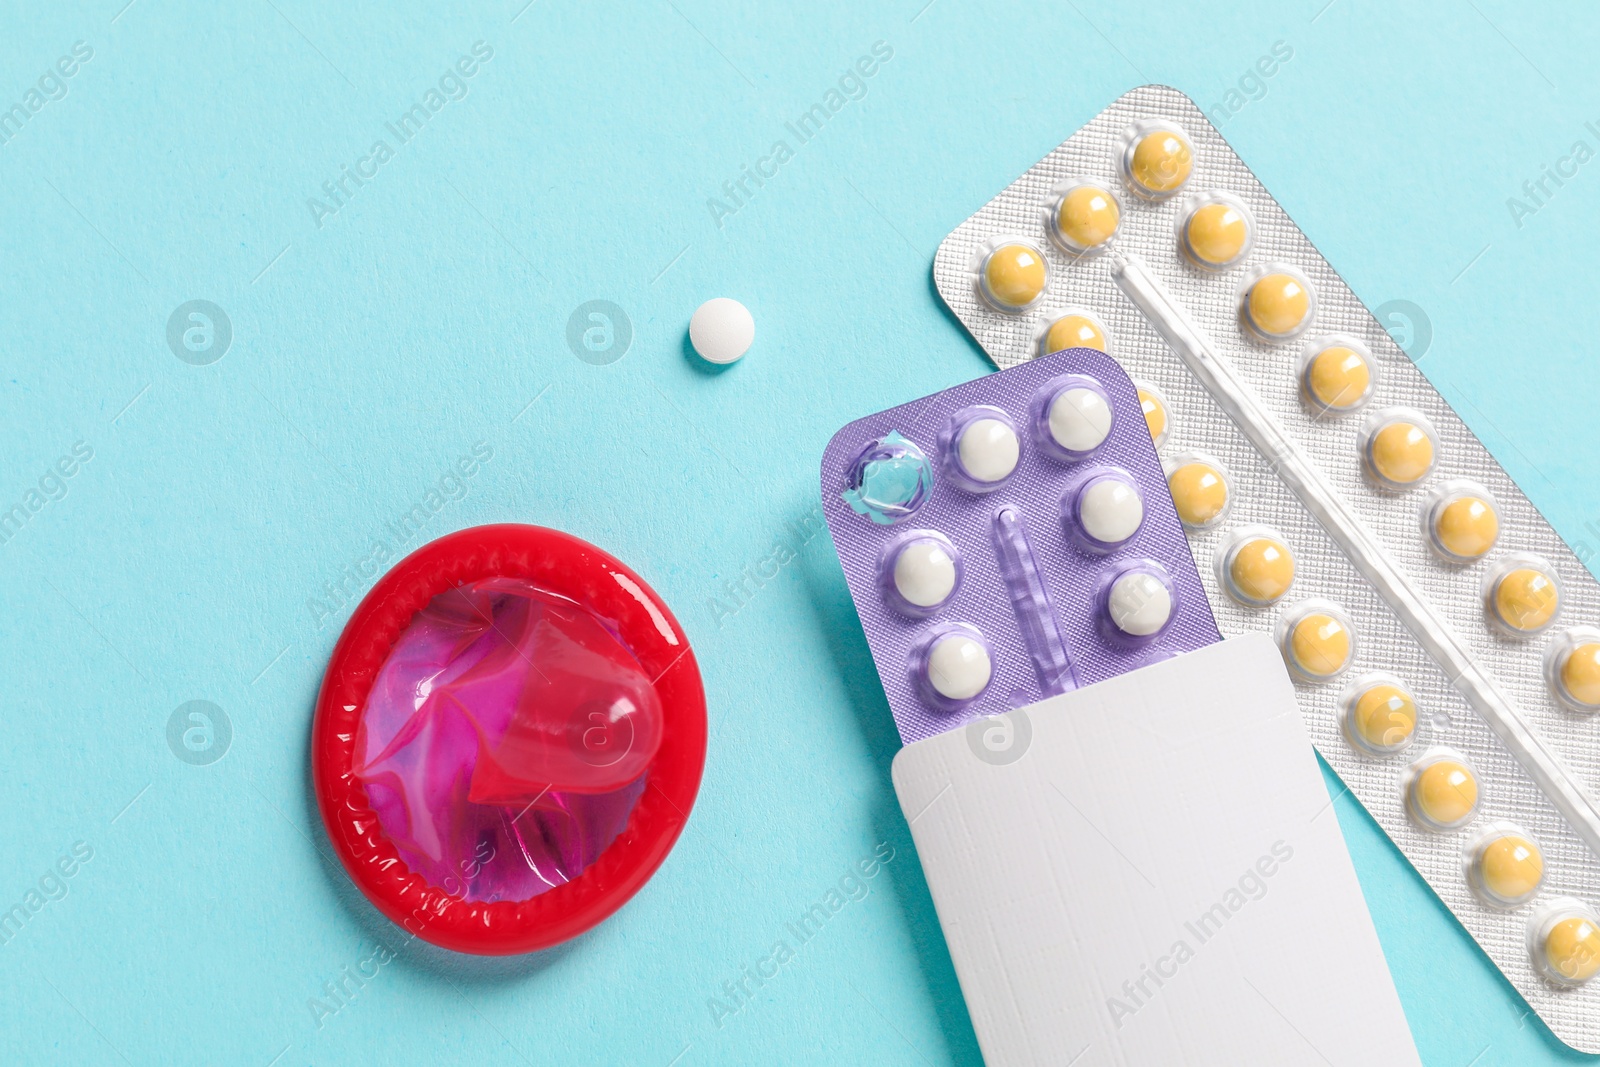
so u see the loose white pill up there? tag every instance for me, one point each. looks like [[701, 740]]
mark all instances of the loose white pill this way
[[1080, 419], [1110, 510], [989, 450], [958, 667], [722, 330], [924, 574], [1139, 603]]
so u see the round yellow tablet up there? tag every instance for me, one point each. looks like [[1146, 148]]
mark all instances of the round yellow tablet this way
[[1580, 674], [1216, 234], [1401, 453], [1338, 378], [1199, 491], [1261, 571], [1161, 162], [1320, 645], [1444, 794], [1074, 331], [1525, 599], [1466, 527], [1509, 868], [1572, 949], [1014, 276], [1155, 415], [1384, 717], [1278, 304], [1087, 218]]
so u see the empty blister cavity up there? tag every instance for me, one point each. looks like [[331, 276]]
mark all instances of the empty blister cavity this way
[[1073, 328], [1072, 416], [1157, 158], [1572, 668], [1317, 639], [1564, 941], [1083, 216], [1461, 521], [889, 480], [1256, 566], [981, 448], [1337, 375], [1103, 509], [1378, 714], [1216, 231], [1441, 790], [1157, 415], [920, 572], [1199, 488], [1135, 602], [953, 665], [1276, 302], [1012, 275], [1399, 447], [1030, 600], [1522, 595], [1504, 865]]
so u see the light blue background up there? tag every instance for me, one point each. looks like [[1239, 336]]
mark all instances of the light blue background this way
[[431, 311]]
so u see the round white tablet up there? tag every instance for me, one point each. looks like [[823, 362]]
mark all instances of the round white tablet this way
[[722, 330], [988, 450], [924, 574], [1110, 510], [958, 667], [1080, 419], [1139, 604]]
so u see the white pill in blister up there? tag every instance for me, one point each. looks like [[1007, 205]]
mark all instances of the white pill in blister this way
[[1139, 604], [989, 450], [1110, 511], [924, 574], [722, 330], [1080, 419], [958, 667]]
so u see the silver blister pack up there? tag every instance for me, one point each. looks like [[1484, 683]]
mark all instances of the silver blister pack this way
[[1464, 637]]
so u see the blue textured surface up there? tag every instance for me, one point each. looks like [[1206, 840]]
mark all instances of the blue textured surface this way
[[210, 547]]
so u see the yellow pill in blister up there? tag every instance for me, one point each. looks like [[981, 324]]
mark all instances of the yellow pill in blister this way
[[1508, 868], [1338, 378], [1216, 234], [1580, 674], [1320, 645], [1087, 218], [1401, 453], [1571, 949], [1161, 162], [1444, 794], [1199, 491], [1074, 331], [1466, 527], [1525, 599], [1014, 275], [1384, 717], [1155, 415], [1278, 304], [1261, 570]]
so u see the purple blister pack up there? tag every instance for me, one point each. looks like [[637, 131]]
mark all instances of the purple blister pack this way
[[1010, 539]]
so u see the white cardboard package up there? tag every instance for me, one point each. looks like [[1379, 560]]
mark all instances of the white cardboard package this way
[[1150, 871]]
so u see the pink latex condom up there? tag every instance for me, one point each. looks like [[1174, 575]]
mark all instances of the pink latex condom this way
[[508, 740]]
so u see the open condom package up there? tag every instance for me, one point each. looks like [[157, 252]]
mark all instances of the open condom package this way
[[1440, 635]]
